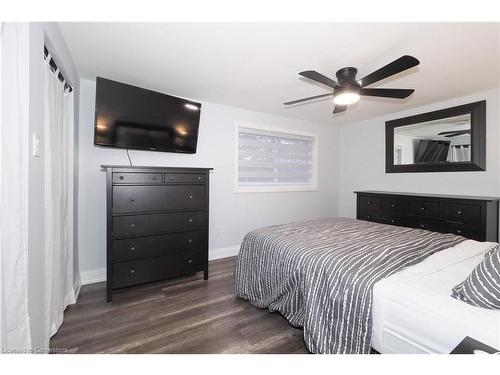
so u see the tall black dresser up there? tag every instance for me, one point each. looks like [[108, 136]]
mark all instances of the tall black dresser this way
[[471, 217], [157, 224]]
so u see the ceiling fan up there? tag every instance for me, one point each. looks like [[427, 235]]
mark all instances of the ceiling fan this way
[[348, 90], [454, 133]]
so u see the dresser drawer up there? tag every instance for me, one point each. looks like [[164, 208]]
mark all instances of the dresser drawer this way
[[461, 212], [424, 223], [371, 216], [138, 225], [366, 215], [369, 203], [466, 230], [157, 198], [157, 268], [423, 208], [382, 218], [173, 178], [137, 178], [394, 205], [144, 247]]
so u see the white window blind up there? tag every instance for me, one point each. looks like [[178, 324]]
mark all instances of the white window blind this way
[[275, 159]]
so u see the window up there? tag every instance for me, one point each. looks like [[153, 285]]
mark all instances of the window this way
[[398, 154], [269, 159]]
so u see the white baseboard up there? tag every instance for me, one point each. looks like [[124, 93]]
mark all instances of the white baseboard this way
[[223, 252], [99, 275]]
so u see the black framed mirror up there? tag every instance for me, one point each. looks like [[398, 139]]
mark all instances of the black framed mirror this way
[[448, 140]]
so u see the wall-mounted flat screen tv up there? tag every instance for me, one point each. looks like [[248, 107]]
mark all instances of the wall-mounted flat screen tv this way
[[432, 151], [135, 118]]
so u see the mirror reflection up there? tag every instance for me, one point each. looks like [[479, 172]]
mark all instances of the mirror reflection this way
[[446, 140]]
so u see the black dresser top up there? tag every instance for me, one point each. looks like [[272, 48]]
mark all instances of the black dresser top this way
[[180, 169], [429, 195]]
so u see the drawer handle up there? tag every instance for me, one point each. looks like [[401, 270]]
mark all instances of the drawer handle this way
[[422, 226], [393, 221], [190, 261], [190, 220], [190, 240], [121, 177], [422, 208], [459, 212], [132, 248], [368, 217], [132, 225], [154, 178], [459, 231], [132, 271], [199, 177], [190, 197], [132, 199], [171, 178], [369, 203], [393, 205]]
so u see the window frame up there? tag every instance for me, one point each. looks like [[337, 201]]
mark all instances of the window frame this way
[[313, 186]]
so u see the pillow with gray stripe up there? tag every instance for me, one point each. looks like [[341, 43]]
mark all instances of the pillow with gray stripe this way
[[482, 287]]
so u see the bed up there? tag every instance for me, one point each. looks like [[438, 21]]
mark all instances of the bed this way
[[414, 313], [332, 276]]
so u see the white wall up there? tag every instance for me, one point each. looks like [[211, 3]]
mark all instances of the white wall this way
[[40, 33], [362, 147], [232, 215]]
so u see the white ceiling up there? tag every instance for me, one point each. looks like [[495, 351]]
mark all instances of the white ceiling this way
[[255, 65], [430, 129]]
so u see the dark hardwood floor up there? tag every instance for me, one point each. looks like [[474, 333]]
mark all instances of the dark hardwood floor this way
[[184, 315]]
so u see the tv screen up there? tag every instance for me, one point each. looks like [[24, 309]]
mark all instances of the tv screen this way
[[135, 118], [431, 151]]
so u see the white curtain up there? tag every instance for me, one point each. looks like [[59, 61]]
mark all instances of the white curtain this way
[[14, 150], [58, 148], [2, 314]]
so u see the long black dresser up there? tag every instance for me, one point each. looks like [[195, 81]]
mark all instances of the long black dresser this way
[[471, 217], [157, 224]]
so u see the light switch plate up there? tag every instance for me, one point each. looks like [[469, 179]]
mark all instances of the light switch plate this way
[[36, 145]]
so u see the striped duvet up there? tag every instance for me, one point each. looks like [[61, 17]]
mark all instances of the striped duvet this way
[[320, 274]]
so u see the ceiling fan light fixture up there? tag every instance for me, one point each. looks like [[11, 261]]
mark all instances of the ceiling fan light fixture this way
[[346, 98], [348, 89]]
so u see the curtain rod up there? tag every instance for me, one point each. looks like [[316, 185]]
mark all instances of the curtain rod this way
[[54, 68]]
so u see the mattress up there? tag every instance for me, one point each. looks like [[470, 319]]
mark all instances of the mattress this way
[[414, 313]]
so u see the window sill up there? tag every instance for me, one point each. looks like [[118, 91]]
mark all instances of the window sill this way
[[274, 189]]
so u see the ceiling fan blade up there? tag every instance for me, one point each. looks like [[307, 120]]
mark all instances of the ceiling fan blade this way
[[397, 66], [387, 93], [318, 77], [454, 133], [306, 99], [339, 108]]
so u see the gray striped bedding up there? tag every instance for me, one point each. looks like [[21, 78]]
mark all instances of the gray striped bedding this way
[[320, 274], [482, 287]]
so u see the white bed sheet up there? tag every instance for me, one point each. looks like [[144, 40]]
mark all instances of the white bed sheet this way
[[414, 313]]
